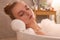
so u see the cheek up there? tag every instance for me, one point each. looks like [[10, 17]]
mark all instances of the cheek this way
[[25, 19]]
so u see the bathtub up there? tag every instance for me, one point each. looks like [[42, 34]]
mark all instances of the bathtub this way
[[52, 29], [25, 36]]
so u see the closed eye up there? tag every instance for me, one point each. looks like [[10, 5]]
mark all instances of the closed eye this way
[[21, 13]]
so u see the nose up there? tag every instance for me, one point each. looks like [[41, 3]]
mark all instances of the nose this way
[[28, 14]]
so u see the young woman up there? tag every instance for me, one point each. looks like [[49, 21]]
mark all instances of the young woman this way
[[21, 11]]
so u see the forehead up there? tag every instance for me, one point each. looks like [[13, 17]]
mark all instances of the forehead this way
[[20, 3], [19, 6]]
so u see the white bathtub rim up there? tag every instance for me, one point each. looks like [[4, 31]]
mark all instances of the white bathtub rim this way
[[44, 36]]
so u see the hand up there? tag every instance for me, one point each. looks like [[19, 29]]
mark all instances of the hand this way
[[40, 33]]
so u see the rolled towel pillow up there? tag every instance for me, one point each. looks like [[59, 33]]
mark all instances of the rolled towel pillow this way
[[18, 25], [29, 31]]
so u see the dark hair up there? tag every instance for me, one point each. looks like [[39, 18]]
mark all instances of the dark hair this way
[[8, 9]]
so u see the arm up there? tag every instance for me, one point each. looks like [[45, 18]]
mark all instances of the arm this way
[[37, 30], [35, 27]]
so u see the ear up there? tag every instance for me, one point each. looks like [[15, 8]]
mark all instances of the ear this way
[[18, 25]]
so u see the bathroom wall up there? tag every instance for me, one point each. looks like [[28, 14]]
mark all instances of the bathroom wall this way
[[5, 28]]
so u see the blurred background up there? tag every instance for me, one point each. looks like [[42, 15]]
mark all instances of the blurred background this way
[[6, 33]]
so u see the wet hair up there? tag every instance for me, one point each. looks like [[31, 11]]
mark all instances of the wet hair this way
[[8, 9]]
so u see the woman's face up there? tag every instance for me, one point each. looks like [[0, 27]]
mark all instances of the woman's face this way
[[23, 12]]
